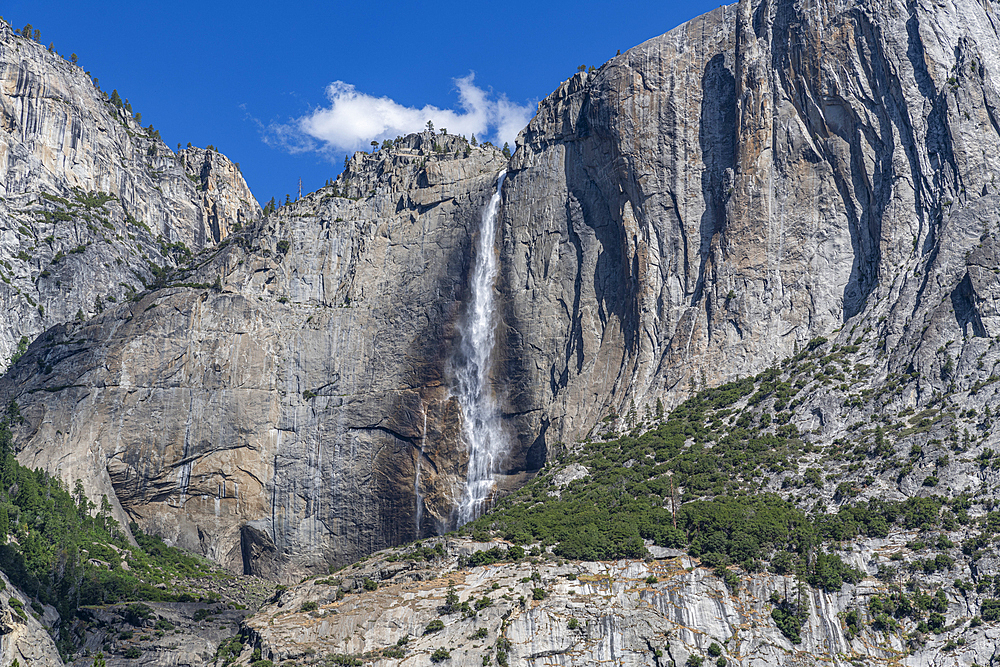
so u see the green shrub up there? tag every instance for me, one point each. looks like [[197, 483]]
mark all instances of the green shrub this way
[[814, 476], [830, 573], [229, 650], [136, 614], [132, 652], [434, 626], [789, 616], [503, 647], [491, 556], [852, 620], [815, 342], [310, 605], [788, 624], [714, 650], [573, 624], [440, 655]]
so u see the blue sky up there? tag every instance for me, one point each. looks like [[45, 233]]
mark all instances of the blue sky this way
[[282, 88]]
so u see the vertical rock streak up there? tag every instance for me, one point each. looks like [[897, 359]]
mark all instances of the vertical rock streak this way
[[416, 479], [481, 427]]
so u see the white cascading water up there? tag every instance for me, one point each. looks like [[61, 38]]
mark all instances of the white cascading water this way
[[481, 427]]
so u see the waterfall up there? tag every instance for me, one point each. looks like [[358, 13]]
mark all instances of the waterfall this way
[[481, 427]]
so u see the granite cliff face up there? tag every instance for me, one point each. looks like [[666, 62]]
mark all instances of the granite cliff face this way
[[694, 210], [93, 205], [707, 202], [282, 405]]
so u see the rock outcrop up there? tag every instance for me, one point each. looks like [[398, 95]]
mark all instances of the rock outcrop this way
[[23, 636], [283, 405], [543, 611], [92, 205], [181, 634]]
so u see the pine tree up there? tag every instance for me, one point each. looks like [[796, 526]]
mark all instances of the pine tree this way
[[474, 142], [506, 150], [73, 58], [79, 494]]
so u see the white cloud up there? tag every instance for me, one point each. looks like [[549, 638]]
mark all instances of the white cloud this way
[[353, 119]]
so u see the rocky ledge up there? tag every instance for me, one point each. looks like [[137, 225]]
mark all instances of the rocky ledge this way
[[398, 608]]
